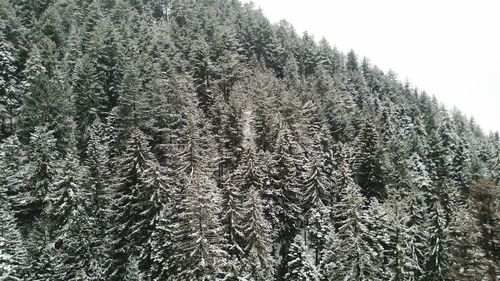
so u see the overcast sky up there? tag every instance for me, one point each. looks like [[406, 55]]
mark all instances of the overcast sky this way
[[449, 48]]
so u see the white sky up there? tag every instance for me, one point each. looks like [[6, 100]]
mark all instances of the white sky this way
[[449, 48]]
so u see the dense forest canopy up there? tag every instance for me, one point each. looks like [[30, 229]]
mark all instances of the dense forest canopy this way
[[195, 140]]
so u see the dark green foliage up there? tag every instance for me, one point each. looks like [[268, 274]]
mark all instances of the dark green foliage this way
[[195, 140], [136, 204], [39, 177], [369, 161], [13, 258], [300, 265]]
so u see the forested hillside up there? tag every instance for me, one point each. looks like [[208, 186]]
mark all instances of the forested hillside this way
[[195, 140]]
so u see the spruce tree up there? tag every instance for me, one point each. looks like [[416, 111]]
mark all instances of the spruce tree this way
[[12, 162], [351, 253], [40, 176], [438, 258], [257, 242], [467, 255], [402, 262], [13, 255], [197, 251], [137, 193], [9, 94], [284, 210], [369, 169], [300, 264]]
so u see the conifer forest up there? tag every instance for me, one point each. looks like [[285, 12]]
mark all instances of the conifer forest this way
[[194, 140]]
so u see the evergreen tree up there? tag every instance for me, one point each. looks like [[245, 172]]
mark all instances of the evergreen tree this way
[[12, 162], [300, 265], [75, 236], [43, 98], [197, 251], [257, 241], [485, 196], [138, 191], [438, 257], [402, 261], [98, 177], [284, 188], [180, 140], [369, 169], [351, 253], [9, 95], [87, 93], [43, 257], [232, 215], [467, 255], [315, 205], [13, 256], [40, 176]]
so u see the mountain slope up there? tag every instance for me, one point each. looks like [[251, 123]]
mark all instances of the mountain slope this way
[[194, 140]]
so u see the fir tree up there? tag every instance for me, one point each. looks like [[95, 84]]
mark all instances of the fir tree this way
[[402, 262], [43, 257], [257, 241], [197, 251], [284, 210], [467, 255], [9, 96], [354, 254], [138, 189], [40, 176], [300, 264], [13, 255], [438, 256], [12, 162], [369, 162]]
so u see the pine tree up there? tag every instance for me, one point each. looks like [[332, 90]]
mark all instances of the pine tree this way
[[66, 193], [284, 188], [156, 193], [43, 98], [228, 67], [232, 212], [9, 96], [42, 254], [369, 169], [315, 205], [416, 226], [402, 263], [12, 162], [317, 186], [13, 256], [262, 88], [40, 176], [75, 233], [355, 256], [88, 95], [227, 136], [138, 191], [467, 255], [98, 177], [129, 114], [257, 241], [202, 73], [300, 265], [197, 250], [438, 257]]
